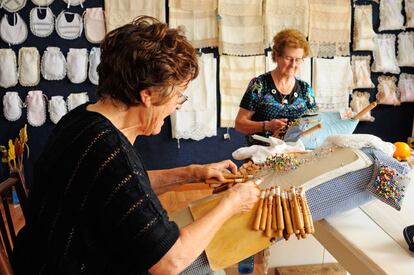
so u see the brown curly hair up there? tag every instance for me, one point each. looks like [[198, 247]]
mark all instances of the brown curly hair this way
[[289, 38], [144, 54]]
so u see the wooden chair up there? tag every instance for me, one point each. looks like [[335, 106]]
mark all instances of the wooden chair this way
[[8, 233]]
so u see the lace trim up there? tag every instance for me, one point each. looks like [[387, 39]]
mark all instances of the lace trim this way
[[5, 21], [193, 5], [240, 9], [196, 134], [22, 77], [387, 91], [205, 43], [379, 54], [364, 83], [390, 15], [328, 49], [241, 49], [49, 53], [32, 22], [361, 43], [405, 49], [9, 52]]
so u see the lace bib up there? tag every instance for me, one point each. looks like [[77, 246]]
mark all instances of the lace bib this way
[[361, 71], [406, 49], [387, 91], [42, 27], [384, 54], [363, 32], [74, 2], [359, 101], [8, 68], [390, 15], [406, 87], [12, 5], [13, 34], [42, 2], [69, 30]]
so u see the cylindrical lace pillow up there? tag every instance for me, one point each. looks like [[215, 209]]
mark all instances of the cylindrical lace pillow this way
[[361, 71], [29, 66], [391, 17], [53, 64], [359, 101], [77, 65], [406, 49], [384, 54], [387, 91], [8, 68], [406, 87]]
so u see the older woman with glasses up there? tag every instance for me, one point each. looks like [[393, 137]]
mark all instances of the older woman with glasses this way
[[93, 207], [276, 97]]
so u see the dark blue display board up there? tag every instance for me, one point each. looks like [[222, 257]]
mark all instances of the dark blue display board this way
[[161, 151]]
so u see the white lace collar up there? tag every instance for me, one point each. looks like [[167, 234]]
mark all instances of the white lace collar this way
[[69, 30], [41, 27], [12, 5], [13, 34]]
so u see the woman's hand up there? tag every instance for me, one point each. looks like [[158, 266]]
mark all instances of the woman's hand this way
[[276, 124], [212, 170], [242, 197]]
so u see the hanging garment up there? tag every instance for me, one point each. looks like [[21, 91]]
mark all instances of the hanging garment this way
[[94, 60], [198, 20], [241, 27], [42, 27], [304, 72], [409, 12], [29, 66], [76, 99], [329, 27], [69, 30], [406, 87], [363, 29], [235, 75], [282, 14], [390, 15], [53, 65], [384, 54], [387, 91], [12, 106], [36, 108], [94, 21], [121, 12], [332, 83], [74, 3], [406, 49], [12, 5], [42, 2], [13, 34], [361, 71], [57, 108], [197, 118], [359, 101], [77, 65], [8, 68]]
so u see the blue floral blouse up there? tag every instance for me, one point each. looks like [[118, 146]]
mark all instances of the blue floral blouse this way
[[264, 99]]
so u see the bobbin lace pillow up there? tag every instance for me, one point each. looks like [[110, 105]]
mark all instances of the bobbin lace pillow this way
[[384, 54], [8, 68], [359, 101], [387, 91]]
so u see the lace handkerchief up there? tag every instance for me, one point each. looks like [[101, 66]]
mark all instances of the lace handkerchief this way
[[363, 31], [241, 27], [361, 71], [406, 49], [281, 14], [329, 27], [332, 83], [387, 91], [235, 75], [198, 20], [384, 54], [406, 87], [390, 15], [197, 118]]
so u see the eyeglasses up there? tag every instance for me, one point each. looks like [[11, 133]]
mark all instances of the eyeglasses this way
[[291, 59], [182, 98]]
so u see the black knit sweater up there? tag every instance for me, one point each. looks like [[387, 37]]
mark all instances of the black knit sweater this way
[[91, 206]]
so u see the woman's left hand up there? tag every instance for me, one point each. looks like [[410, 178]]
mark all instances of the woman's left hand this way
[[202, 172]]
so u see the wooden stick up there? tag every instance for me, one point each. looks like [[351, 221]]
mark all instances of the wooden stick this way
[[292, 215], [308, 212], [304, 211], [286, 212], [259, 209], [227, 175], [274, 216], [215, 181], [268, 232], [297, 212], [279, 214], [311, 130], [371, 106], [263, 219]]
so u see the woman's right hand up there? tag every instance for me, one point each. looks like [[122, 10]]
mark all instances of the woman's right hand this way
[[276, 124], [242, 197]]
